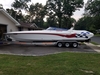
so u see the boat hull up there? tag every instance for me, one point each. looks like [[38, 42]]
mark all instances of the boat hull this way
[[51, 35], [45, 37]]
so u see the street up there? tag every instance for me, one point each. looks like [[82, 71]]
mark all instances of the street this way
[[96, 39]]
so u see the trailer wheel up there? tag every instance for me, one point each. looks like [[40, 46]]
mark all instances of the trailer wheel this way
[[75, 44], [59, 44], [67, 44]]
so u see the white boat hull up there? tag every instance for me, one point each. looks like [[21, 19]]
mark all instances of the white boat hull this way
[[48, 36]]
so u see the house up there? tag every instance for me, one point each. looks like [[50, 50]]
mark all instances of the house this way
[[28, 26], [8, 23]]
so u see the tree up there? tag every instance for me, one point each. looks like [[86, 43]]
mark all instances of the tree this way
[[85, 23], [37, 13], [12, 12], [52, 20], [68, 21], [63, 8], [20, 4], [92, 9], [16, 14]]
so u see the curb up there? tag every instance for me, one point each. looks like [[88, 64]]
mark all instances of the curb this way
[[94, 47]]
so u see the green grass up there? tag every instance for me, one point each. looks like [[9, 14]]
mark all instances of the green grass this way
[[97, 34], [57, 64]]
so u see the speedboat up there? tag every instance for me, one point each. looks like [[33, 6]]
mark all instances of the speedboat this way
[[51, 34]]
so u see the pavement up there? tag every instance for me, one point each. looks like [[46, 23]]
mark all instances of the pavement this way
[[94, 47], [31, 50]]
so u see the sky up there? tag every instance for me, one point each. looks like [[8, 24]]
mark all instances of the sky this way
[[77, 14]]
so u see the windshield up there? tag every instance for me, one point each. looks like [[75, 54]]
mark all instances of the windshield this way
[[54, 28]]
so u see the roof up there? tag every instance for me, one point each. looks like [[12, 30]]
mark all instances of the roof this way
[[20, 24], [29, 25], [10, 17]]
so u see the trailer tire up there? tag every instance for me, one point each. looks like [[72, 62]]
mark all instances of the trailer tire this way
[[67, 44], [59, 44], [75, 44]]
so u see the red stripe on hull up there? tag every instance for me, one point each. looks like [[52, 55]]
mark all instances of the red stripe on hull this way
[[67, 36]]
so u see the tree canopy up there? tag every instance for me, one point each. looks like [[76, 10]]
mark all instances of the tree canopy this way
[[56, 12], [92, 9], [20, 4], [63, 9]]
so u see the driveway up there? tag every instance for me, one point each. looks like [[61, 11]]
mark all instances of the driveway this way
[[30, 50]]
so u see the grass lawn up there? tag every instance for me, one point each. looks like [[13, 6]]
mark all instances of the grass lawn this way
[[57, 64], [97, 34]]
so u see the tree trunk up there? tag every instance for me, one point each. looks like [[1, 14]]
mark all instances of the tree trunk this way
[[59, 22]]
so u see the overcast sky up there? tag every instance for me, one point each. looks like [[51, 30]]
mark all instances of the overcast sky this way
[[7, 4]]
